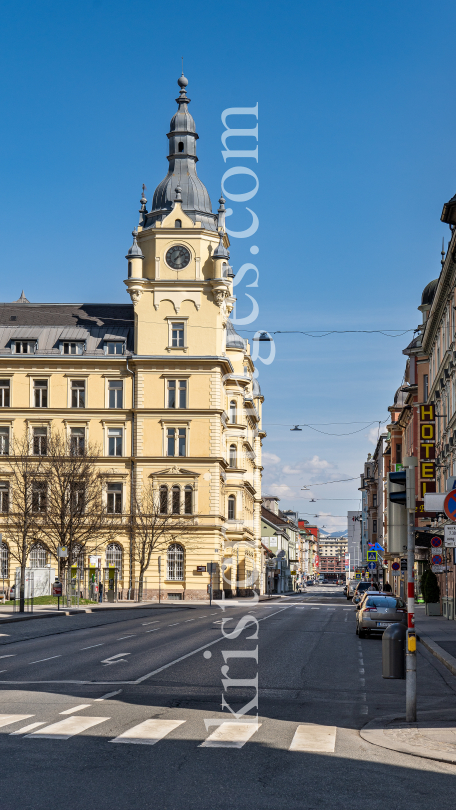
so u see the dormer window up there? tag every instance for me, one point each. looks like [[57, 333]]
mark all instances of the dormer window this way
[[180, 147], [24, 346], [71, 347], [178, 223], [114, 347]]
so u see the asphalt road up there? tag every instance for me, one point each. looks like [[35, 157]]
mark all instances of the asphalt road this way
[[157, 708]]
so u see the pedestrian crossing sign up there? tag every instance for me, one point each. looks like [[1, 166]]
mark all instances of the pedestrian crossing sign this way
[[372, 556]]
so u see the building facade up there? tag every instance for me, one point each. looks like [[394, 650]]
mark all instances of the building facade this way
[[163, 385]]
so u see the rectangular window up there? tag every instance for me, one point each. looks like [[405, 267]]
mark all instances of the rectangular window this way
[[4, 393], [176, 441], [177, 335], [177, 393], [115, 441], [77, 498], [39, 441], [40, 393], [39, 496], [374, 527], [425, 387], [72, 347], [4, 441], [115, 388], [114, 347], [77, 441], [24, 346], [78, 393], [374, 499], [114, 499], [4, 496], [188, 500]]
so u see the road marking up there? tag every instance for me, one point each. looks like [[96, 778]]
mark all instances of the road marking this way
[[214, 614], [123, 637], [7, 719], [346, 618], [112, 659], [230, 735], [77, 708], [315, 608], [155, 622], [314, 738], [3, 670], [45, 659], [173, 625], [153, 631], [8, 656], [202, 617], [67, 728], [364, 710], [190, 620], [108, 695], [91, 646], [330, 608], [361, 671], [148, 733], [26, 728]]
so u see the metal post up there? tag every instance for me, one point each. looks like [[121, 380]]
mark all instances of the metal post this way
[[210, 588], [410, 657], [159, 579]]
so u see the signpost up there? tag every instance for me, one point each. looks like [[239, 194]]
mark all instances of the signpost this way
[[450, 536], [159, 579], [437, 559], [372, 556], [404, 565], [372, 566], [211, 567], [396, 568], [436, 542], [449, 505], [57, 591]]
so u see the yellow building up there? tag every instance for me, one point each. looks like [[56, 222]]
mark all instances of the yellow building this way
[[164, 385]]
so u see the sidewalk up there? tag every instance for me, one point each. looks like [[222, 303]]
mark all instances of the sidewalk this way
[[431, 737], [438, 636]]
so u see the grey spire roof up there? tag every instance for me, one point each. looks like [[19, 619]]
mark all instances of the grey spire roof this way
[[256, 390], [182, 171], [220, 251], [233, 340], [22, 299], [429, 292], [135, 250]]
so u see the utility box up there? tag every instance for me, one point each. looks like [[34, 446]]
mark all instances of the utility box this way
[[393, 651]]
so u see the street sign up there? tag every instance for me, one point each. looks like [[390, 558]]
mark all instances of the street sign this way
[[396, 568], [439, 569], [437, 559], [372, 566], [450, 536], [372, 556], [449, 505], [404, 565], [201, 568], [357, 576], [57, 589], [211, 568], [436, 542]]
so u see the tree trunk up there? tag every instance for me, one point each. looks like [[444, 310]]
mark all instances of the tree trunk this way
[[22, 586]]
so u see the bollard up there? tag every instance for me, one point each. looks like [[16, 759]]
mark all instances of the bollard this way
[[393, 651]]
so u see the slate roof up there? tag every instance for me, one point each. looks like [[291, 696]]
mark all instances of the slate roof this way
[[51, 323]]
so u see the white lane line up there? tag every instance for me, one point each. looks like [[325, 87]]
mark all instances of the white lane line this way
[[155, 622], [13, 655], [7, 719], [123, 637], [112, 659], [26, 728], [148, 733], [214, 614], [67, 728], [204, 647], [45, 659], [91, 646], [330, 608], [153, 631], [314, 738], [361, 671], [189, 620], [108, 695], [230, 735], [77, 708], [315, 608], [346, 618], [173, 625], [202, 617], [364, 710], [3, 670]]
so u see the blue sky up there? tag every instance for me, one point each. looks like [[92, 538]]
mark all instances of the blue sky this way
[[356, 117]]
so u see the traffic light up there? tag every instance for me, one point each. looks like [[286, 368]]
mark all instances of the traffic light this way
[[396, 511]]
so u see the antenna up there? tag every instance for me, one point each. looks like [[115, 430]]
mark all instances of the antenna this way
[[182, 65]]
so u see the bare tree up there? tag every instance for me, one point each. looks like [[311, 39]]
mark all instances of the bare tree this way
[[76, 516], [154, 529], [26, 505]]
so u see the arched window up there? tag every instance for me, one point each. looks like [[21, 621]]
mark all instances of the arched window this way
[[180, 147], [4, 561], [164, 500], [224, 270], [178, 223], [232, 455], [129, 269], [231, 507], [175, 562], [176, 499], [233, 411], [188, 500], [114, 556], [38, 557]]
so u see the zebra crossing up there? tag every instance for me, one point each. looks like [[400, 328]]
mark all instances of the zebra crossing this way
[[307, 737]]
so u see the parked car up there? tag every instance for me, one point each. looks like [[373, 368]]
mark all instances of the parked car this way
[[310, 582], [12, 593], [359, 591], [351, 587], [377, 611]]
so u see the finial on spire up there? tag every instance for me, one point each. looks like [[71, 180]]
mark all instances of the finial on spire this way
[[221, 214], [143, 209], [178, 197], [135, 250], [182, 82], [442, 252]]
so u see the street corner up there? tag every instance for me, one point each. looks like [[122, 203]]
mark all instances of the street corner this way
[[433, 736]]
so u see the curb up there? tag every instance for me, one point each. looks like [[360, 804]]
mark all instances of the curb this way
[[448, 661], [372, 733]]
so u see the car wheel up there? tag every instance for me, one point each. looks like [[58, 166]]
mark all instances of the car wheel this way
[[357, 629], [361, 633]]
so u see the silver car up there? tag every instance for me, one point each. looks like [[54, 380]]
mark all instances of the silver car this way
[[377, 611]]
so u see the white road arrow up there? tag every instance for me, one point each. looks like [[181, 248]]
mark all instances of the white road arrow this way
[[112, 659]]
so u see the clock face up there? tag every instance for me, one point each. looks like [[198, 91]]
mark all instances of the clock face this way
[[178, 257]]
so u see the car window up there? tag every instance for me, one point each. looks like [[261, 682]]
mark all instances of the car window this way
[[382, 602]]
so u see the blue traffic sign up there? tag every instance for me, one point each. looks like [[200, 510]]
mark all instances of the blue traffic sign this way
[[372, 565]]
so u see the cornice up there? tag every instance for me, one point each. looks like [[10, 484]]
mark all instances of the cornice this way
[[446, 282]]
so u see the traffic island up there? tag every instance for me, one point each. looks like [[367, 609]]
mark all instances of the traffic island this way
[[431, 737]]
